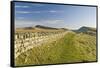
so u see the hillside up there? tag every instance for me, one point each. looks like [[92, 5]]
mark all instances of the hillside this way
[[71, 48], [45, 27], [86, 30], [39, 28]]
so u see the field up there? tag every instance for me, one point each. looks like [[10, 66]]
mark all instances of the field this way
[[72, 47]]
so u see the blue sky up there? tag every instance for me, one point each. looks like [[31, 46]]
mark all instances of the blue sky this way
[[67, 16]]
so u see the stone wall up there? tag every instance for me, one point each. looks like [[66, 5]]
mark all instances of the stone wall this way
[[27, 40]]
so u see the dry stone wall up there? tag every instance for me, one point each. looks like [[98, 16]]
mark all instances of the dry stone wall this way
[[27, 40]]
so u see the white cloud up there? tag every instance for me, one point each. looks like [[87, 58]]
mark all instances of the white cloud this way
[[55, 11], [20, 17], [50, 23], [52, 11], [22, 12], [23, 23], [37, 5], [49, 11], [21, 6], [27, 12], [54, 21]]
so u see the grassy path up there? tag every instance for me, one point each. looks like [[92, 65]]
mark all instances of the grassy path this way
[[71, 48]]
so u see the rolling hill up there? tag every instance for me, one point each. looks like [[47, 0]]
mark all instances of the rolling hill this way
[[75, 46], [86, 30]]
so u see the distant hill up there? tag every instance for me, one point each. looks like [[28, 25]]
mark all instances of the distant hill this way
[[45, 27], [87, 30], [29, 28], [39, 28]]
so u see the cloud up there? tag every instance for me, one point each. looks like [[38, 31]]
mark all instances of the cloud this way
[[54, 21], [22, 6], [49, 11], [52, 11], [39, 11], [55, 11], [23, 23], [27, 12], [27, 6], [22, 12], [37, 5], [58, 23], [20, 17]]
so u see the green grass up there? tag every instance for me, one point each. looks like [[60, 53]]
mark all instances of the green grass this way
[[71, 48]]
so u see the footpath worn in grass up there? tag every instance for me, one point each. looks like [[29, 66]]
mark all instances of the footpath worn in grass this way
[[71, 48]]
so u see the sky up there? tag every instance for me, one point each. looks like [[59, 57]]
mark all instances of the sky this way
[[53, 15]]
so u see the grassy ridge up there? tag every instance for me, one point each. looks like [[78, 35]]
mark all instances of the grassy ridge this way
[[71, 48]]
